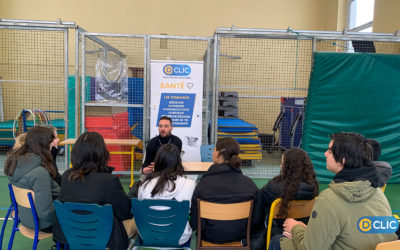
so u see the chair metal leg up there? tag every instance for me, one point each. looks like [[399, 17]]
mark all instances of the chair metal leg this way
[[3, 228], [36, 239], [14, 229]]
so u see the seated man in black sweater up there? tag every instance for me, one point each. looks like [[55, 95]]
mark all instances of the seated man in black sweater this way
[[165, 137]]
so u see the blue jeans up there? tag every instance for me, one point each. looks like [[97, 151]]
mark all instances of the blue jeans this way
[[275, 243]]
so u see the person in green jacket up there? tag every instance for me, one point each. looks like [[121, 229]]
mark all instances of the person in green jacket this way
[[352, 194], [31, 167]]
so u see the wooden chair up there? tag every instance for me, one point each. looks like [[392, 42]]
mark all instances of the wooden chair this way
[[223, 212], [24, 198], [391, 245], [297, 209], [383, 188]]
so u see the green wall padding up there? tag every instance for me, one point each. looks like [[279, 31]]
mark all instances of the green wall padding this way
[[353, 93], [71, 104]]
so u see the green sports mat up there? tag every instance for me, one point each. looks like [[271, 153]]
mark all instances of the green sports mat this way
[[353, 92]]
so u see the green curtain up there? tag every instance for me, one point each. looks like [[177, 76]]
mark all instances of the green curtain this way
[[357, 92]]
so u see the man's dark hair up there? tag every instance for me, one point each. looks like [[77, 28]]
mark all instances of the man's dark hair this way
[[166, 118], [376, 148], [352, 147]]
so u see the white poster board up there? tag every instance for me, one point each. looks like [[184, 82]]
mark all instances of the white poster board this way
[[177, 92]]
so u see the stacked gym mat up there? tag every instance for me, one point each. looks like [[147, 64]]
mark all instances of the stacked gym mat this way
[[6, 130], [244, 133]]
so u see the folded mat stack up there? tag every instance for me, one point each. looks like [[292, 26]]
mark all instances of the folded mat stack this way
[[244, 133], [6, 130]]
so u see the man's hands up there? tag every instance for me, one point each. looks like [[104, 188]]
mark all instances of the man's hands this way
[[149, 169]]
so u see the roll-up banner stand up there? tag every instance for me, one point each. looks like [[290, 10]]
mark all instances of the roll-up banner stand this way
[[177, 92]]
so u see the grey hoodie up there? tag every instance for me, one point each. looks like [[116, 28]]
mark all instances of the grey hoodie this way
[[30, 174], [384, 171]]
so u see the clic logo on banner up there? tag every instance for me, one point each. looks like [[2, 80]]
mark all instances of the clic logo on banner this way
[[377, 224], [177, 70]]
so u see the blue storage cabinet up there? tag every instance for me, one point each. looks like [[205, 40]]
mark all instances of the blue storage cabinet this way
[[135, 96], [292, 107]]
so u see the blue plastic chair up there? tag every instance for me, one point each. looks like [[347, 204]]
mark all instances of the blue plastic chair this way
[[85, 226], [206, 152], [160, 228], [24, 198]]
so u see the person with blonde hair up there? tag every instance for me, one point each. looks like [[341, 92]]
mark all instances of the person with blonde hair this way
[[19, 141]]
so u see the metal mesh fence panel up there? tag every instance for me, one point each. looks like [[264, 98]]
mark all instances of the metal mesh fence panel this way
[[117, 119], [32, 78], [266, 75], [363, 46], [262, 73]]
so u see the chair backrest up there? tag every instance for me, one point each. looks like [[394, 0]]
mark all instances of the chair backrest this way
[[21, 196], [85, 226], [160, 222], [206, 152], [297, 209], [224, 212], [25, 198], [388, 245]]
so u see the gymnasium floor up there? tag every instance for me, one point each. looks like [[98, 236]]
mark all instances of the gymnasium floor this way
[[20, 242]]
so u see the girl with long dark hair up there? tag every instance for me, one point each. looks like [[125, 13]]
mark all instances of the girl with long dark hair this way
[[167, 181], [90, 181], [31, 167], [296, 181]]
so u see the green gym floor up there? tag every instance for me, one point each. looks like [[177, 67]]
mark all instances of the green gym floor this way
[[21, 242]]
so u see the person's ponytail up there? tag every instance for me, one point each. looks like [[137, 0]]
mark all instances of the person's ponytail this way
[[235, 161], [229, 149]]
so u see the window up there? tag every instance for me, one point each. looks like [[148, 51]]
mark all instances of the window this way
[[361, 15]]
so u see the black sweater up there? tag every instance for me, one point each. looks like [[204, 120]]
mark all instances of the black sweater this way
[[155, 143], [269, 193], [222, 184]]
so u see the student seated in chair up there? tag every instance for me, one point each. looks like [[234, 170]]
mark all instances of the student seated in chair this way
[[90, 181], [30, 166], [167, 181], [353, 194], [224, 182], [296, 181]]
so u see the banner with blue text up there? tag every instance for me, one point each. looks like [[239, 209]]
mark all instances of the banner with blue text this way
[[177, 92]]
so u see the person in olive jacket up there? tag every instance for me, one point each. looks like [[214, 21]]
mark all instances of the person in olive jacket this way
[[30, 166], [352, 195], [224, 182]]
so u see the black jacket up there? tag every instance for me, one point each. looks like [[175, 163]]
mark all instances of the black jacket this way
[[269, 193], [155, 143], [222, 184], [54, 152], [99, 188]]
